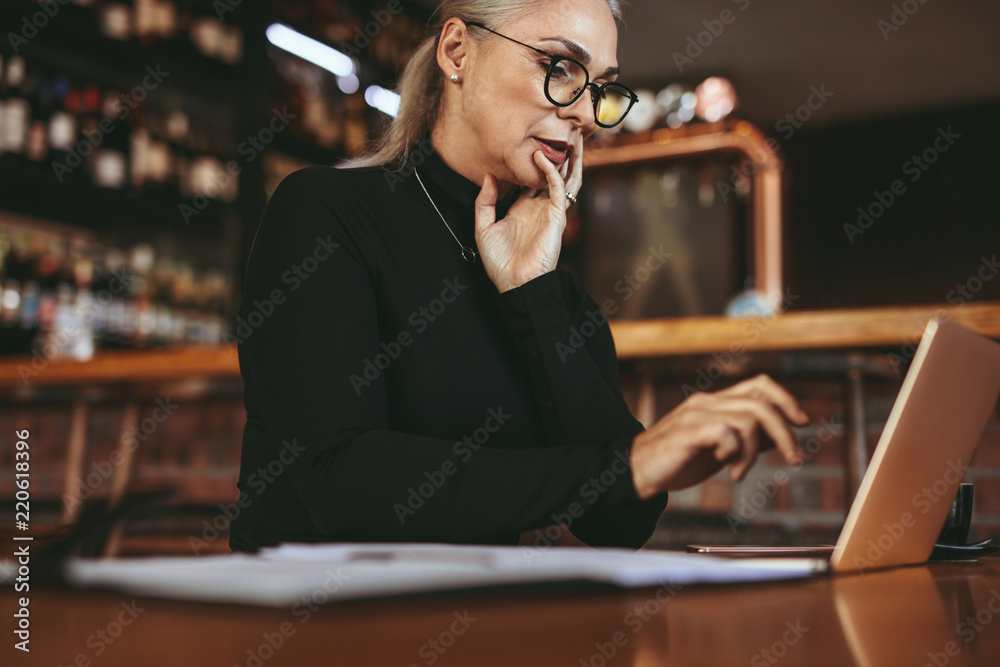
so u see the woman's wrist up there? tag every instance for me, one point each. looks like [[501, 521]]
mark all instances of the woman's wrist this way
[[644, 488]]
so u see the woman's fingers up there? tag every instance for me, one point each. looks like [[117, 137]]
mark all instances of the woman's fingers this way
[[486, 201], [762, 387], [711, 430], [575, 180], [746, 428], [557, 189], [772, 423]]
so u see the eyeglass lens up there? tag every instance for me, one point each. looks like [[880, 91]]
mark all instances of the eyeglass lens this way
[[566, 80]]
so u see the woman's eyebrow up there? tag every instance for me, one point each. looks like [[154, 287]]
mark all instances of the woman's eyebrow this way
[[580, 54]]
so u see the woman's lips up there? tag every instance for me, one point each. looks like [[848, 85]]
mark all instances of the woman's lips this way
[[555, 156]]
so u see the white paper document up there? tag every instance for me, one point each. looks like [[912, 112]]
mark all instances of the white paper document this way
[[285, 575]]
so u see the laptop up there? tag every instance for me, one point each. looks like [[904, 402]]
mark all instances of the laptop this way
[[950, 389]]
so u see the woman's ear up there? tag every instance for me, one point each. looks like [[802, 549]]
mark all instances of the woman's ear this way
[[453, 49]]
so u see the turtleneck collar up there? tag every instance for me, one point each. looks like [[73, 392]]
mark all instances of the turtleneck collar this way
[[454, 194]]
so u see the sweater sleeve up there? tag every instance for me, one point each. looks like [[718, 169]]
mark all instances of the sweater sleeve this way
[[574, 370], [310, 297]]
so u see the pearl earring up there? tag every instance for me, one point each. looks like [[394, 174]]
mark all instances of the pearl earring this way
[[454, 78]]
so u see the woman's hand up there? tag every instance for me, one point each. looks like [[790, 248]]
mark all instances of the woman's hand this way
[[708, 431], [526, 243]]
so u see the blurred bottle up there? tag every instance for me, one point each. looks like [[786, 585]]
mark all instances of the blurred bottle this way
[[116, 293], [38, 89], [110, 168], [162, 312], [15, 268], [82, 346], [115, 19], [101, 289], [142, 260], [16, 109], [3, 98], [45, 271], [62, 125], [59, 341]]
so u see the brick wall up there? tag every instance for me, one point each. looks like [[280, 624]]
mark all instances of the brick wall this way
[[803, 504], [197, 449]]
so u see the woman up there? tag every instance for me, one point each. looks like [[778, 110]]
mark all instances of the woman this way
[[405, 360]]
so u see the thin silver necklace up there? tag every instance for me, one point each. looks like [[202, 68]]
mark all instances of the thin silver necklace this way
[[468, 254]]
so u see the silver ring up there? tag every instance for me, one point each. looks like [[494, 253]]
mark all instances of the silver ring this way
[[572, 199]]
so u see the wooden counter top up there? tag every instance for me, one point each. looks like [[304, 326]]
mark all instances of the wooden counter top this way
[[944, 613], [798, 330]]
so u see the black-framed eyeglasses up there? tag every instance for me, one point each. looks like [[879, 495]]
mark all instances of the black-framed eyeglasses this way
[[566, 80]]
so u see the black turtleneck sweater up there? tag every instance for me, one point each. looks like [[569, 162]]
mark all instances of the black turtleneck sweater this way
[[393, 394]]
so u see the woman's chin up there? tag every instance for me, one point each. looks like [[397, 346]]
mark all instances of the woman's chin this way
[[536, 180]]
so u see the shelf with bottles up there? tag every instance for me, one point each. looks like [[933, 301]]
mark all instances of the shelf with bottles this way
[[193, 36], [68, 292], [66, 143]]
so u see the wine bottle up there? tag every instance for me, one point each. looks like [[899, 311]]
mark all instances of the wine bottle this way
[[101, 293], [110, 162], [62, 122], [82, 348], [47, 265], [14, 268], [117, 293], [142, 259], [38, 88], [17, 109], [116, 20], [61, 337]]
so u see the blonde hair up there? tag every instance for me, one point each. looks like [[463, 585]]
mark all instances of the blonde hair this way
[[422, 82]]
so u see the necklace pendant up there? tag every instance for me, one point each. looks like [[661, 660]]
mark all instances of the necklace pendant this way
[[469, 255]]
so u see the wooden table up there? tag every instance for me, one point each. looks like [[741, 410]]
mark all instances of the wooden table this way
[[906, 616]]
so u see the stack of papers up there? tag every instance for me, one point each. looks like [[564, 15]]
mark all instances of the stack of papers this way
[[285, 575]]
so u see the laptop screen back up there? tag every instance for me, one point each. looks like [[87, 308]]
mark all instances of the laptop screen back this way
[[920, 460]]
